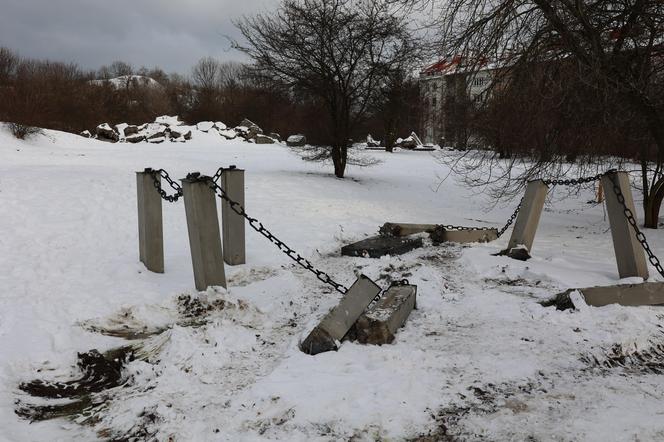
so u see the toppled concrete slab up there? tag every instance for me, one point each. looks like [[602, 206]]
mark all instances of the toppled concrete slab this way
[[379, 324], [341, 318], [378, 246], [440, 235], [649, 293], [405, 229]]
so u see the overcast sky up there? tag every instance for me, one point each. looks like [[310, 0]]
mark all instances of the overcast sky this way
[[172, 34]]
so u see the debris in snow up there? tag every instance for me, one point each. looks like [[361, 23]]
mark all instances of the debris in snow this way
[[263, 139], [371, 142], [106, 133], [296, 141], [205, 126]]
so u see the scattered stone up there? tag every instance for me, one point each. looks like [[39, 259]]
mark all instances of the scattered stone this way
[[135, 139], [220, 126], [229, 134], [106, 132], [86, 134], [263, 139], [252, 129], [296, 141], [378, 246], [157, 138], [275, 136], [130, 130], [205, 126], [180, 132]]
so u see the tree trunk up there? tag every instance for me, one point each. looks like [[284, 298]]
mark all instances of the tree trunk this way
[[652, 205], [339, 161]]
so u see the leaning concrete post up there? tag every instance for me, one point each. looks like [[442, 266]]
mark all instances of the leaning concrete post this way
[[233, 224], [150, 225], [629, 254], [203, 226], [529, 215]]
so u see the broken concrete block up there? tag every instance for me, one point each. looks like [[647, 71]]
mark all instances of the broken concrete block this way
[[341, 318], [405, 229], [380, 323], [440, 235], [519, 253], [648, 293], [378, 246]]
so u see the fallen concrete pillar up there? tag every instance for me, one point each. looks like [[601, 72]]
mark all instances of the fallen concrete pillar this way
[[378, 246], [529, 215], [150, 223], [440, 235], [233, 225], [203, 226], [405, 229], [630, 256], [649, 293], [379, 324], [341, 318]]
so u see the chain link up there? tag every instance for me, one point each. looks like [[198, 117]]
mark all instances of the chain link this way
[[640, 237], [576, 181], [174, 185], [258, 227], [157, 184], [511, 219]]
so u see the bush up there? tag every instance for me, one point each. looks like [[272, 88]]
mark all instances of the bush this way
[[21, 131]]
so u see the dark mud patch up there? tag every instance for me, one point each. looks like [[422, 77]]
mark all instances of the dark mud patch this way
[[562, 301], [480, 400], [145, 429], [646, 361], [98, 372]]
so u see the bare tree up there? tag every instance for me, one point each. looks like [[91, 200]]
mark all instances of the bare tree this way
[[614, 50], [338, 51]]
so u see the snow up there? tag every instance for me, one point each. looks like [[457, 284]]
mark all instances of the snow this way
[[479, 355], [125, 80]]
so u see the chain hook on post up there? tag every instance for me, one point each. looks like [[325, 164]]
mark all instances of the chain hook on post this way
[[157, 184], [631, 219]]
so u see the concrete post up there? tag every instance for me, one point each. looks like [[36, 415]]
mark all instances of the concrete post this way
[[630, 256], [233, 225], [529, 215], [203, 226], [334, 326], [150, 224]]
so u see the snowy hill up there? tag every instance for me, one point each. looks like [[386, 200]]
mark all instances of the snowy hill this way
[[479, 359], [125, 81]]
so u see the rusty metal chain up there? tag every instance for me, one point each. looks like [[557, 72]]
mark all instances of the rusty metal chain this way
[[258, 227], [640, 237]]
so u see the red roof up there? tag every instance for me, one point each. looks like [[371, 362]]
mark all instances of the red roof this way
[[442, 66]]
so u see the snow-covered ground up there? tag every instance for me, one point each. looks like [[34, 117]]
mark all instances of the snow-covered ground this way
[[479, 359]]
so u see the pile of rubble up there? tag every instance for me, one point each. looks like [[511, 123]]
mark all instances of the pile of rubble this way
[[167, 128]]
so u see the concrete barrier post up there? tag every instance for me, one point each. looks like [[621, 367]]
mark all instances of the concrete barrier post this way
[[150, 224], [630, 256], [529, 215], [204, 237], [233, 225]]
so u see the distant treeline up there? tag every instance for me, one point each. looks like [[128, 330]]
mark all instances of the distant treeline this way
[[63, 96]]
